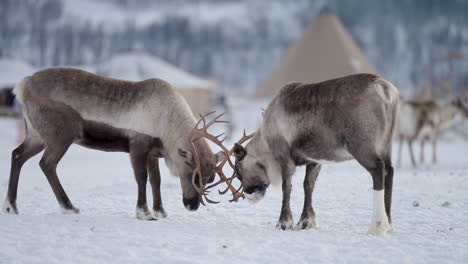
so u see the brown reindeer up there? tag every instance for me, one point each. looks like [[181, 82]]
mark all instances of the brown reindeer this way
[[148, 119], [312, 124]]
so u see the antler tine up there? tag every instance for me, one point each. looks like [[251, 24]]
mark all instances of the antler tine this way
[[202, 132], [214, 121]]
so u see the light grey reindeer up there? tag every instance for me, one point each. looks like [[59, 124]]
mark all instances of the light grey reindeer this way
[[311, 124], [426, 120], [148, 119]]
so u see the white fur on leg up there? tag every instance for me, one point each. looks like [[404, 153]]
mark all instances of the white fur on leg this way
[[159, 214], [285, 224], [142, 214], [306, 223], [69, 211], [379, 224], [8, 208]]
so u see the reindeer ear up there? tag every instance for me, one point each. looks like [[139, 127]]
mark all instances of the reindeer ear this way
[[187, 155], [220, 156], [239, 151]]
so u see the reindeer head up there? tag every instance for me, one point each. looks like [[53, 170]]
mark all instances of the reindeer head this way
[[251, 170], [198, 158]]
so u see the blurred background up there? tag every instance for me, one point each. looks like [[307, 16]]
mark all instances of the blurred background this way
[[212, 50], [237, 42]]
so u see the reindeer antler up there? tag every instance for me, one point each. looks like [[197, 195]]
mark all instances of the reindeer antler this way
[[203, 133]]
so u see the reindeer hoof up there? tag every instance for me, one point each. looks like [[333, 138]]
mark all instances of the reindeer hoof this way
[[9, 208], [306, 223], [159, 214], [71, 210], [142, 214], [284, 224], [380, 227]]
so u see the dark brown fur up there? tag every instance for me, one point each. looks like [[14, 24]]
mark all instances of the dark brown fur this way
[[305, 96]]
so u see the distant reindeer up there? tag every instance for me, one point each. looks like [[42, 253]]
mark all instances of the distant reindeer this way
[[425, 120], [318, 123], [148, 119]]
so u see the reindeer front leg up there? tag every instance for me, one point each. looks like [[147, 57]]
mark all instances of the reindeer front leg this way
[[281, 151], [308, 215], [138, 157], [285, 221], [155, 181]]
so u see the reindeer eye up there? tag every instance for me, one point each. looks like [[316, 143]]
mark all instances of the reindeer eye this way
[[261, 166]]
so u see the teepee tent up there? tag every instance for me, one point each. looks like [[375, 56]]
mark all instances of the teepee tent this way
[[138, 67], [325, 50]]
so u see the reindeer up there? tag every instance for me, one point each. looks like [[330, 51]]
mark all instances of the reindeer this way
[[425, 120], [147, 119], [319, 123]]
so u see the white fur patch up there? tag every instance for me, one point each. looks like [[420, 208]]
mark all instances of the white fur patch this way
[[19, 89], [288, 224], [143, 214], [8, 208], [69, 211], [379, 224], [307, 223], [254, 197], [391, 94], [159, 214]]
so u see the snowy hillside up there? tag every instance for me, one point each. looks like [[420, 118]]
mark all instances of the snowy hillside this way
[[139, 66], [103, 187]]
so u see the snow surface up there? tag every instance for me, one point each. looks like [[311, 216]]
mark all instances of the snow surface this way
[[139, 66], [102, 186]]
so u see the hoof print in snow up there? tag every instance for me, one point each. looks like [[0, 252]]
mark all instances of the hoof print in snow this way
[[415, 203], [445, 204]]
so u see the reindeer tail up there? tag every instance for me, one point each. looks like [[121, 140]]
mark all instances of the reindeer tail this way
[[20, 88], [387, 91]]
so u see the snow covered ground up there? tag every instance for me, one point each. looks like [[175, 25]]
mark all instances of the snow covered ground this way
[[102, 186]]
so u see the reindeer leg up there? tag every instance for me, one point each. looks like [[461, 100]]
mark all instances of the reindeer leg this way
[[421, 157], [138, 157], [374, 164], [281, 152], [308, 215], [28, 149], [286, 220], [388, 189], [52, 155], [434, 143], [380, 221], [410, 146], [380, 224], [400, 148], [155, 181]]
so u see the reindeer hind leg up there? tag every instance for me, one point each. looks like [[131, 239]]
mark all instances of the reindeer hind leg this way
[[375, 165], [29, 148], [52, 155]]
